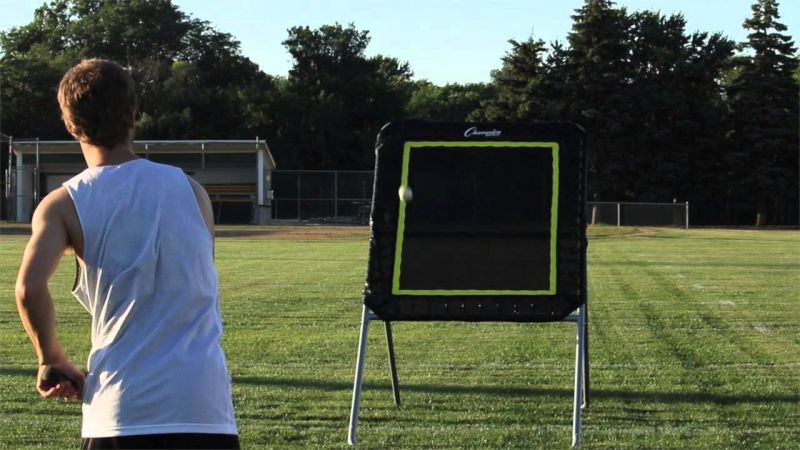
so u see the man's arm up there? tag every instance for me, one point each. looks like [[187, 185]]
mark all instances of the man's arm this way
[[204, 202], [48, 241]]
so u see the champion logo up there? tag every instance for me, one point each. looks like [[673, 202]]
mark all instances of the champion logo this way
[[474, 131]]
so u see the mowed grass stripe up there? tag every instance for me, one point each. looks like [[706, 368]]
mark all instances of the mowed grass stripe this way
[[694, 344], [705, 316]]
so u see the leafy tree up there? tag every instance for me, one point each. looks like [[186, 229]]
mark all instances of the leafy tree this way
[[449, 103], [192, 79], [763, 120], [29, 85], [797, 72], [336, 99]]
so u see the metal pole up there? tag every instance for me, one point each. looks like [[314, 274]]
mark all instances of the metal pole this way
[[392, 362], [298, 196], [259, 175], [358, 383], [19, 205], [9, 185], [36, 178], [585, 313], [619, 215], [1, 119], [687, 215], [335, 193], [260, 189], [579, 386]]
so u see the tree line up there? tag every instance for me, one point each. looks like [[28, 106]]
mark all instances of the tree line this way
[[669, 114]]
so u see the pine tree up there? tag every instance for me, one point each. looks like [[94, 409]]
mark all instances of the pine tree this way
[[518, 85], [763, 99], [597, 79]]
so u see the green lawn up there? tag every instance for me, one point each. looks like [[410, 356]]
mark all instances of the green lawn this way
[[695, 343]]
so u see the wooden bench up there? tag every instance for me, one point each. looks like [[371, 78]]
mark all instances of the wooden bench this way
[[232, 193]]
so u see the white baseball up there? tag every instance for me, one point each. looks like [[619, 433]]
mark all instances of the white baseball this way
[[405, 194]]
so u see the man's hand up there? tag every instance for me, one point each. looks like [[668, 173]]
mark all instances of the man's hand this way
[[50, 235], [68, 388]]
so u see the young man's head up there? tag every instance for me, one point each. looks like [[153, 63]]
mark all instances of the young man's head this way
[[98, 103]]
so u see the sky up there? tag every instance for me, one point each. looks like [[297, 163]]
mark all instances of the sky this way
[[444, 41]]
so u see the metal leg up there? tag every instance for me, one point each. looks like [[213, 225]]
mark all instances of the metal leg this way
[[357, 384], [585, 312], [392, 363], [579, 381]]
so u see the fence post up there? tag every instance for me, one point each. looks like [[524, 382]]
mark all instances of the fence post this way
[[298, 197], [36, 178], [619, 215], [687, 215], [335, 193]]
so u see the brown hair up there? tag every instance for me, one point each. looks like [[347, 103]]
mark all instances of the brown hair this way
[[98, 103]]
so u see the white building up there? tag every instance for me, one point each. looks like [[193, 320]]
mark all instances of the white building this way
[[236, 173]]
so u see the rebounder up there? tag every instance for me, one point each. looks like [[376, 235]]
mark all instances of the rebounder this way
[[477, 222]]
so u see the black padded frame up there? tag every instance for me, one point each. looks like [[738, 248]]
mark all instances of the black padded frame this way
[[571, 231]]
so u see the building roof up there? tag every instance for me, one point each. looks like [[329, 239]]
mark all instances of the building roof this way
[[32, 146]]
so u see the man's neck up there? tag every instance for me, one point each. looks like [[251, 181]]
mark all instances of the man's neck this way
[[102, 156]]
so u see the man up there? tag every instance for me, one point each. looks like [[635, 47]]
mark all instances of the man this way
[[143, 236]]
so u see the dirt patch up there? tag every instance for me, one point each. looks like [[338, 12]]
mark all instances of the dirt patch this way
[[296, 232], [603, 232], [302, 232], [14, 230]]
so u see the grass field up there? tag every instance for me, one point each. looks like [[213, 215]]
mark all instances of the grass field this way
[[695, 343]]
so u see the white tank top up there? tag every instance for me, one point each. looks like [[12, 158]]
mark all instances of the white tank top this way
[[156, 365]]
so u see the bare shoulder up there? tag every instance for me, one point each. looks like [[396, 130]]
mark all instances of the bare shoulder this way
[[57, 209], [54, 205], [204, 202], [199, 190]]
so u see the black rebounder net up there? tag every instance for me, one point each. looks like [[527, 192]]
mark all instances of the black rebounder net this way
[[477, 222]]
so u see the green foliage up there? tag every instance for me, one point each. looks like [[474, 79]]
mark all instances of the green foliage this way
[[193, 81], [450, 103], [29, 87], [797, 72], [336, 99], [519, 94], [762, 162], [646, 92]]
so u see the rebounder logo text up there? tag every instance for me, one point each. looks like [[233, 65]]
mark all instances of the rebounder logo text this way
[[474, 131]]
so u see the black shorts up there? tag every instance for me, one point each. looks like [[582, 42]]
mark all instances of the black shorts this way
[[164, 441]]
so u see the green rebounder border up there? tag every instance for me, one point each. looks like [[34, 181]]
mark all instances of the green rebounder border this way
[[398, 259]]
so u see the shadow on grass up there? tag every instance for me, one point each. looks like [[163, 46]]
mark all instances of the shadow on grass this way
[[602, 394]]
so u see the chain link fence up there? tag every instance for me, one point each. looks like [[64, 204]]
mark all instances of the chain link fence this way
[[20, 193], [624, 214], [345, 196], [342, 196]]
